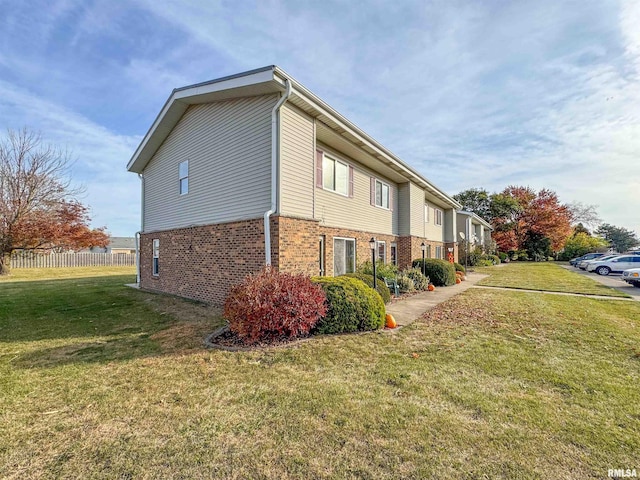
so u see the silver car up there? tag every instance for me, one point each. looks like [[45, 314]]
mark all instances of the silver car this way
[[632, 277], [614, 265]]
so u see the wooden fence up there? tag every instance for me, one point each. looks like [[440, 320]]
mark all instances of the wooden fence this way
[[61, 260]]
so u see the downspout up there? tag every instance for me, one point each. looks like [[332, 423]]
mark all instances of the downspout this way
[[137, 236], [274, 173]]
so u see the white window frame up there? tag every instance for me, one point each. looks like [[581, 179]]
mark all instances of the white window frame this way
[[183, 177], [375, 194], [439, 251], [426, 213], [438, 216], [155, 263], [394, 258], [381, 243], [353, 265], [333, 188]]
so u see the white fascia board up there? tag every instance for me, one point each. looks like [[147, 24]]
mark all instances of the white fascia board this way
[[327, 110]]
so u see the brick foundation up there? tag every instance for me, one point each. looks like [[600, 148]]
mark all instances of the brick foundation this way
[[203, 262]]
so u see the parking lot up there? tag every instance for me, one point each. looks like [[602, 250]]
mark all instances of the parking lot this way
[[613, 280]]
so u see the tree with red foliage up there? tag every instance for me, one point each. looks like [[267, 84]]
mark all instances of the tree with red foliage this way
[[37, 206], [538, 214]]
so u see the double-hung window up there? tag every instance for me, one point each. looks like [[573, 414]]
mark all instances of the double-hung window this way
[[382, 193], [344, 256], [336, 176], [394, 254], [438, 216], [183, 173], [381, 253], [438, 252], [156, 257]]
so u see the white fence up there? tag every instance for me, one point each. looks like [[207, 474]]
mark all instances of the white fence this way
[[55, 260]]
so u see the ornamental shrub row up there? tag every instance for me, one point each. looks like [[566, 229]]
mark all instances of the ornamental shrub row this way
[[269, 306]]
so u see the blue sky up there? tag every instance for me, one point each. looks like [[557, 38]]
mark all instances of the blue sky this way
[[544, 93]]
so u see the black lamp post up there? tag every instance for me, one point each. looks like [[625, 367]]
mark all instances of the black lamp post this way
[[423, 247], [372, 244]]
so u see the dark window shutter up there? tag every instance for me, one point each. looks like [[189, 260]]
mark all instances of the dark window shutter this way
[[373, 191], [319, 157], [350, 181]]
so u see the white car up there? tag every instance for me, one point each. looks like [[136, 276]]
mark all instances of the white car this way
[[614, 265], [632, 277], [582, 265]]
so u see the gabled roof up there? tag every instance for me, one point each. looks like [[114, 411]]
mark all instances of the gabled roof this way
[[477, 218], [264, 81]]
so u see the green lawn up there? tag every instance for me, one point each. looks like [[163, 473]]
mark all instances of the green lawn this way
[[546, 276], [101, 381]]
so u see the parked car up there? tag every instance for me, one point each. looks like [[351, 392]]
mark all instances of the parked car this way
[[588, 256], [616, 264], [632, 277], [583, 264]]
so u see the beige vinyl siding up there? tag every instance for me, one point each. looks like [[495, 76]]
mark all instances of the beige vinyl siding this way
[[449, 225], [357, 213], [297, 160], [404, 210], [431, 230], [416, 195], [228, 145]]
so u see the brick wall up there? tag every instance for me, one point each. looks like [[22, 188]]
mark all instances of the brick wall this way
[[203, 262]]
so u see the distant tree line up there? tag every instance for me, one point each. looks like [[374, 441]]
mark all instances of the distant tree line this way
[[535, 224]]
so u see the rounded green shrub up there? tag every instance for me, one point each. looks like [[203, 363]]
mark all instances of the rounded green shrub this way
[[502, 256], [352, 306], [440, 272], [381, 287], [459, 268], [494, 258]]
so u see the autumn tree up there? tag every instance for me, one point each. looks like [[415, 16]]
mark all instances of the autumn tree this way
[[38, 208], [524, 218], [619, 238]]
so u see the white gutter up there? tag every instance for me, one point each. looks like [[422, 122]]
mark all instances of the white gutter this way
[[274, 172], [137, 235]]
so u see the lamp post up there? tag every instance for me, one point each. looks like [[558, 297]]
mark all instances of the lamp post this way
[[372, 244], [423, 247]]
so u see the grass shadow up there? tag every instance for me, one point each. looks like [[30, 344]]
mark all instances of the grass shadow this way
[[96, 319]]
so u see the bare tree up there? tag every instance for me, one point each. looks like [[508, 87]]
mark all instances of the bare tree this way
[[584, 214], [35, 195]]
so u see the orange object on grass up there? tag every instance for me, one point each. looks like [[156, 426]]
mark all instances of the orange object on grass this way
[[431, 287], [458, 280], [391, 322]]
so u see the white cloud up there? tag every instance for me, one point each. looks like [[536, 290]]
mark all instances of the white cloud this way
[[111, 192]]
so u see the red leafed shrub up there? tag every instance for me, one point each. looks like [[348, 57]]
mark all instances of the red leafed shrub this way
[[270, 305]]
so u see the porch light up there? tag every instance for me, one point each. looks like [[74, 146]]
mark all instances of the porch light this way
[[423, 247], [372, 243]]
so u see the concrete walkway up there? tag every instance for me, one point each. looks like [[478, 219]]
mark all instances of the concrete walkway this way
[[568, 294], [409, 309]]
